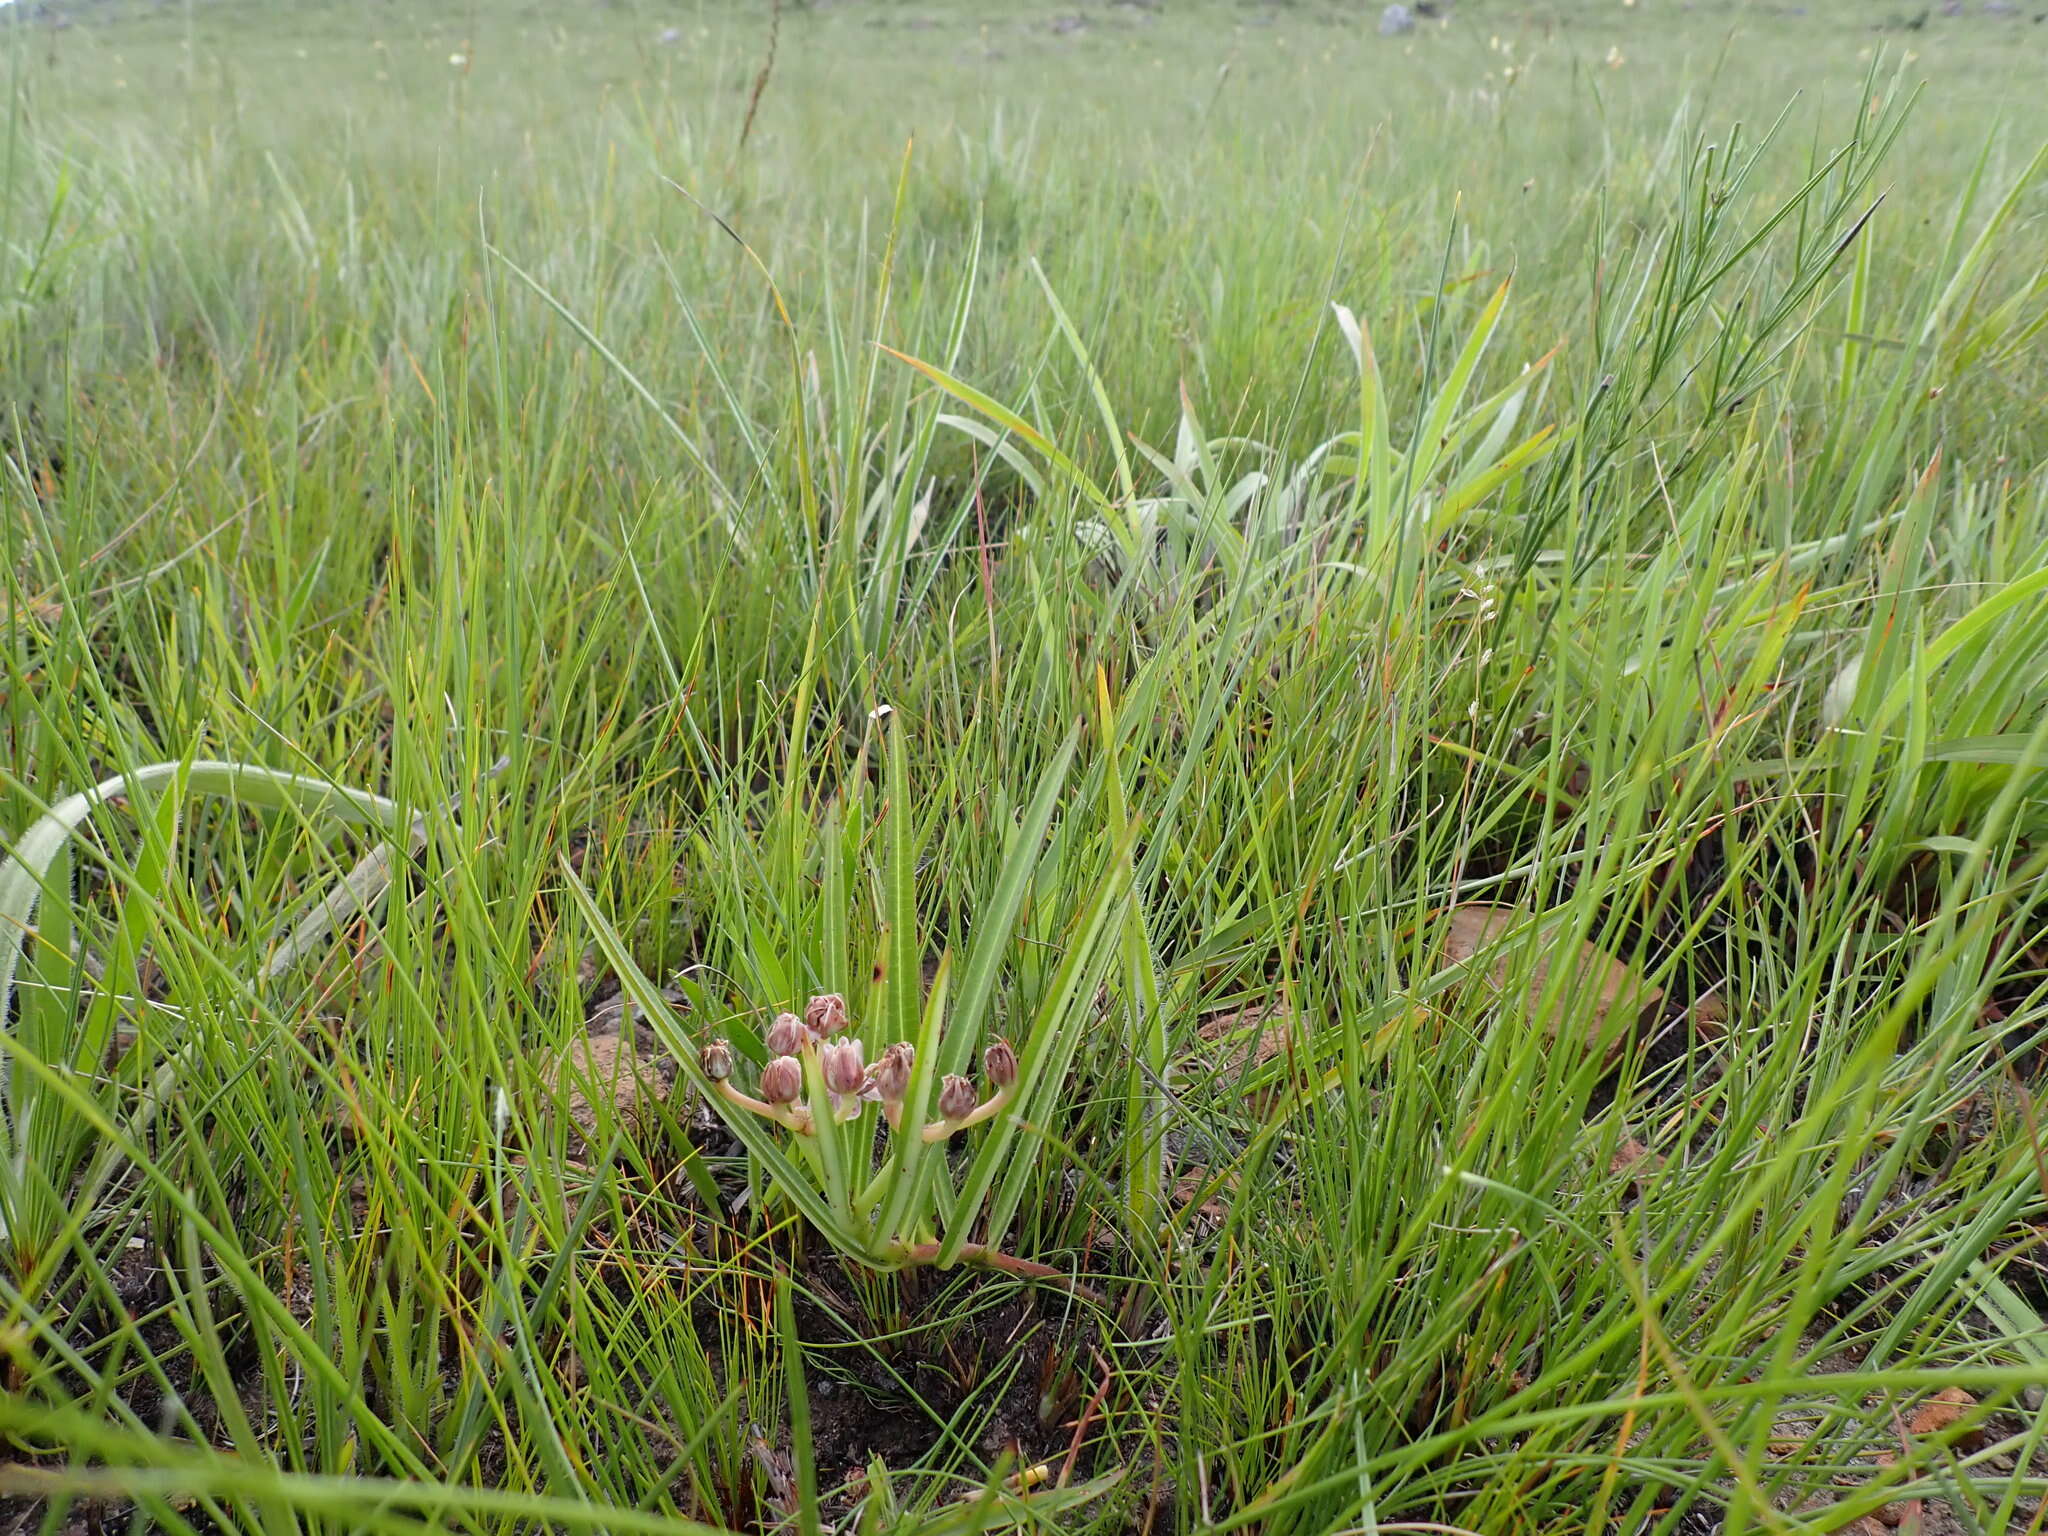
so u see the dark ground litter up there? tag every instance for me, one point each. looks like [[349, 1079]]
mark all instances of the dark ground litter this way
[[985, 1373], [961, 1383], [936, 1376]]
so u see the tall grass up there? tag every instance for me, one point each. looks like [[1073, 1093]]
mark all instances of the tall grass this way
[[1259, 516]]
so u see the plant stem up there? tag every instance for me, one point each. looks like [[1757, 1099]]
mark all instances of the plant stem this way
[[1005, 1263], [939, 1130]]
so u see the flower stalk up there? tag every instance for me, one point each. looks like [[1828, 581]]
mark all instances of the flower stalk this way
[[781, 1083], [818, 1080], [801, 1047], [961, 1108], [879, 1187]]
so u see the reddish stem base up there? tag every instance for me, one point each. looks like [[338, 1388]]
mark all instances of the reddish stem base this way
[[1005, 1263]]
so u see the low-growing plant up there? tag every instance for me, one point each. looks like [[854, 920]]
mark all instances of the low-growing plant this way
[[891, 1197]]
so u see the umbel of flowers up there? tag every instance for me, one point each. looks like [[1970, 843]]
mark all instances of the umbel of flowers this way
[[815, 1065]]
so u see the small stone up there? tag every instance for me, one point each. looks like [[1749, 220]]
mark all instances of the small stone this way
[[1396, 21], [1250, 1037], [1710, 1015], [1941, 1412], [609, 1068], [617, 1016], [1635, 1159]]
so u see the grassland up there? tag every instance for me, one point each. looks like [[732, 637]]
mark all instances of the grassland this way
[[1120, 536]]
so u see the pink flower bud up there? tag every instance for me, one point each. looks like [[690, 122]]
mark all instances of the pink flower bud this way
[[845, 1072], [957, 1098], [785, 1036], [1000, 1062], [892, 1072], [782, 1080], [716, 1060], [826, 1015]]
